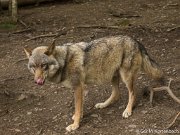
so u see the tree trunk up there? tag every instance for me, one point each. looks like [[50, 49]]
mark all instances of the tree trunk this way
[[13, 9], [10, 7]]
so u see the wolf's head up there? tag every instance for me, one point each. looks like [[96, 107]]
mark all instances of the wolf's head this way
[[42, 62]]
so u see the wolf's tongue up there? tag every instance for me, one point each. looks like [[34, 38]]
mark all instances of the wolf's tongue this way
[[40, 81]]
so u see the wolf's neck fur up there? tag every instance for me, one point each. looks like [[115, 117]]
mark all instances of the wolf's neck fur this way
[[60, 55], [64, 55], [62, 52]]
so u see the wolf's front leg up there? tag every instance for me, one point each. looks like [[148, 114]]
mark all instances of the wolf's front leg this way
[[79, 93]]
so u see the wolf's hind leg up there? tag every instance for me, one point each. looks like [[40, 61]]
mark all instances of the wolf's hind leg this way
[[114, 95]]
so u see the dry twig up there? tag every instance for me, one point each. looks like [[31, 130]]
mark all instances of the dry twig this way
[[21, 31], [42, 36], [99, 27], [166, 88], [20, 60], [175, 5], [174, 120], [23, 23], [172, 29], [55, 35], [6, 93], [123, 14]]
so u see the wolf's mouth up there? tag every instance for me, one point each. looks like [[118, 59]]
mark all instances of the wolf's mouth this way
[[40, 81]]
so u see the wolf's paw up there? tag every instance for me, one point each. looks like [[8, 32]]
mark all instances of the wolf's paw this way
[[100, 105], [72, 127], [126, 113]]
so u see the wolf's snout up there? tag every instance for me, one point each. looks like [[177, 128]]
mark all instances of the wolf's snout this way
[[39, 81]]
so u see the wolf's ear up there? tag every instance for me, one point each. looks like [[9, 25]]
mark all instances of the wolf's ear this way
[[28, 51], [50, 48]]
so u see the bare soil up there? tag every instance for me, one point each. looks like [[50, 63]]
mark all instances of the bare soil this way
[[28, 109]]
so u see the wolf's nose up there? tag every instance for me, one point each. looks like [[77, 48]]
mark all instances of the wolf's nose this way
[[39, 81]]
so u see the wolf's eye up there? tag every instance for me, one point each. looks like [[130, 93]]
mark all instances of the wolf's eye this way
[[44, 66], [32, 69], [31, 66]]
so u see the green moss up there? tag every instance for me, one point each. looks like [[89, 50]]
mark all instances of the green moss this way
[[7, 26], [124, 22]]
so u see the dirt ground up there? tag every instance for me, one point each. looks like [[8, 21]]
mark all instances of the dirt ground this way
[[28, 109]]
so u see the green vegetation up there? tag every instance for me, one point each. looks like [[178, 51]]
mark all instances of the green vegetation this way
[[123, 22], [7, 26]]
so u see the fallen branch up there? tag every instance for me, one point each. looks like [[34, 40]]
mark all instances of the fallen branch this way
[[42, 36], [172, 29], [174, 120], [20, 60], [166, 88], [6, 93], [21, 31], [99, 27], [123, 14], [171, 5], [23, 23], [55, 35]]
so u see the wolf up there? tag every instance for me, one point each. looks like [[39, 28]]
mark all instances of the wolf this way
[[101, 61]]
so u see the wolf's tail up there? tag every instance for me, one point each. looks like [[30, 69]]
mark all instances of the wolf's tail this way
[[150, 66]]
